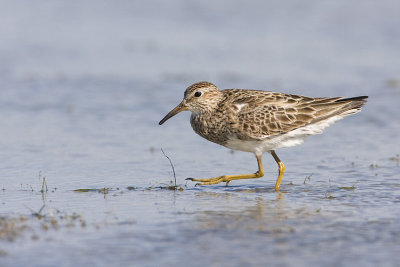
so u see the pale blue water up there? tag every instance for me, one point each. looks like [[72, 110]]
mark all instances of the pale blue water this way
[[84, 84]]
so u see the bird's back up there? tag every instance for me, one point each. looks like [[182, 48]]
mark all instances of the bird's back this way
[[254, 116], [261, 114]]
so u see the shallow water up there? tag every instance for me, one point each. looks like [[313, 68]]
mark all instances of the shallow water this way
[[83, 86]]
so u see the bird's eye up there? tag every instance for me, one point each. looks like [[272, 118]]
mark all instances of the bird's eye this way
[[197, 94]]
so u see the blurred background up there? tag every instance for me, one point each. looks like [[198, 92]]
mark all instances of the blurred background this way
[[90, 80], [83, 85], [274, 44]]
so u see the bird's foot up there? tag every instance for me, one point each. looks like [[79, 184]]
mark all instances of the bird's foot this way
[[209, 181]]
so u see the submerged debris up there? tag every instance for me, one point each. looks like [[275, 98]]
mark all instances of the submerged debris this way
[[396, 159], [11, 228], [103, 190], [347, 187], [165, 187], [308, 178], [329, 195]]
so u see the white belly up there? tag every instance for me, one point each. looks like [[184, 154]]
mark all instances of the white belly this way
[[266, 145], [292, 138]]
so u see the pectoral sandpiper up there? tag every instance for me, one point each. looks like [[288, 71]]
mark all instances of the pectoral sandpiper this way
[[259, 121]]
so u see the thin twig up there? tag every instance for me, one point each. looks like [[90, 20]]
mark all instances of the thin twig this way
[[308, 178], [170, 162], [44, 185]]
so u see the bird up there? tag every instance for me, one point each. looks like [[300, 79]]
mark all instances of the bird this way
[[259, 121]]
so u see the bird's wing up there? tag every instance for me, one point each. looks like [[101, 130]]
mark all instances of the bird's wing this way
[[262, 114]]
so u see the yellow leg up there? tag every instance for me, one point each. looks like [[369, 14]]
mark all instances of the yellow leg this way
[[228, 178], [281, 170]]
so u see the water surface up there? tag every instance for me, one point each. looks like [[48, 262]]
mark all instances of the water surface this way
[[83, 86]]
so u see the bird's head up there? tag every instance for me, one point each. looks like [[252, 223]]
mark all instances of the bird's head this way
[[198, 98]]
